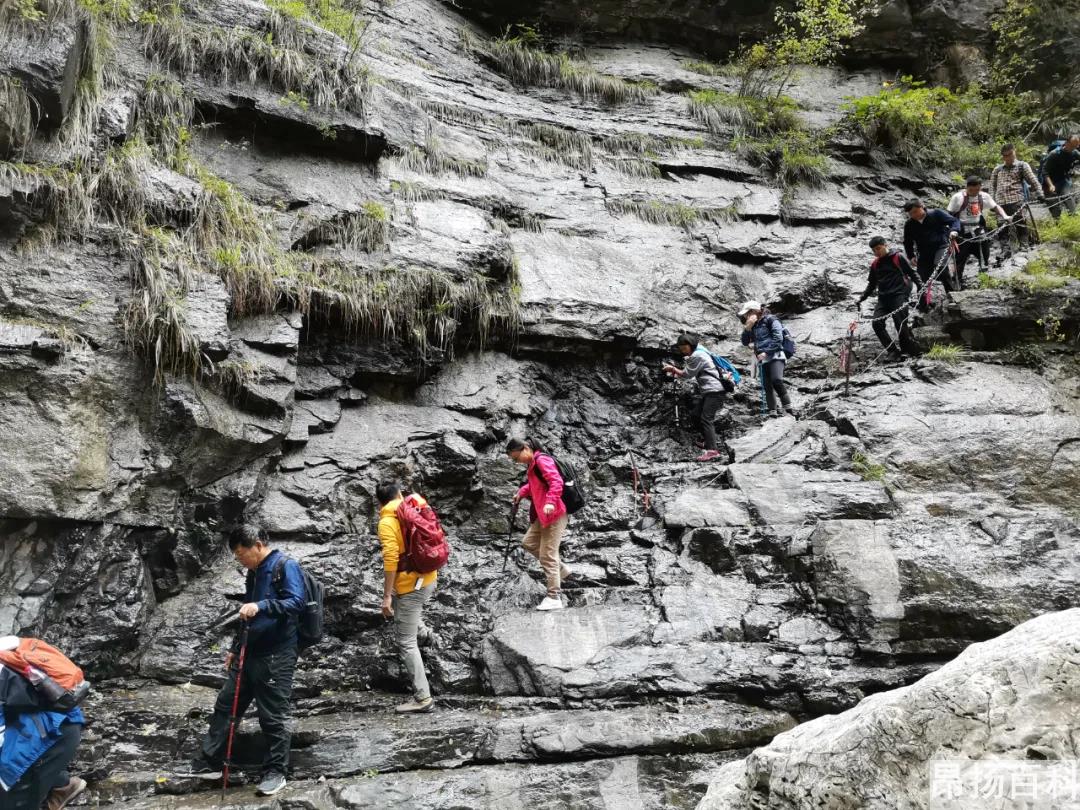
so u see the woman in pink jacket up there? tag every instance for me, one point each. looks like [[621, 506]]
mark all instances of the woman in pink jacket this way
[[543, 487]]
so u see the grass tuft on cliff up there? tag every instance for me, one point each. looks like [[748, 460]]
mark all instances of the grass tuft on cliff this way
[[746, 115], [791, 159], [948, 353], [659, 212], [237, 55], [431, 158], [18, 116], [521, 59]]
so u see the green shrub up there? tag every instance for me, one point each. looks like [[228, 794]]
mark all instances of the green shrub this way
[[1062, 240], [334, 16], [948, 353], [932, 127], [867, 467]]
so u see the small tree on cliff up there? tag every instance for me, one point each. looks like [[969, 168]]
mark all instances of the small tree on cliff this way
[[814, 32], [1033, 44]]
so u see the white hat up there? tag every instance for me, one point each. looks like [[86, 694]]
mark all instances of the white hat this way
[[749, 306]]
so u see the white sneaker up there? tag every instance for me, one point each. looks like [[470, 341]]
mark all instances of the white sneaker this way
[[550, 604]]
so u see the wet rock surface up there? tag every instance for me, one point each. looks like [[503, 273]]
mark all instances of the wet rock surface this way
[[822, 560], [1015, 696]]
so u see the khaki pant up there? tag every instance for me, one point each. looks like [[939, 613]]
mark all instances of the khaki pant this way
[[408, 619], [543, 543]]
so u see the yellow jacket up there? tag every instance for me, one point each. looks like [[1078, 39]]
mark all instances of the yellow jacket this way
[[393, 546]]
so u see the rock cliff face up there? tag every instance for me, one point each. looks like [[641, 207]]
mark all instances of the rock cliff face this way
[[840, 555]]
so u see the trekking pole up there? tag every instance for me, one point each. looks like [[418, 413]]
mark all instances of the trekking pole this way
[[845, 356], [1034, 225], [646, 498], [235, 705], [510, 534], [675, 399], [761, 384]]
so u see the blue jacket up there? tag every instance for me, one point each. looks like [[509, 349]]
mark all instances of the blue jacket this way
[[932, 233], [26, 730], [274, 626], [767, 336]]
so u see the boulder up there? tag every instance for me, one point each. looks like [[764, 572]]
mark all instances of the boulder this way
[[1015, 696]]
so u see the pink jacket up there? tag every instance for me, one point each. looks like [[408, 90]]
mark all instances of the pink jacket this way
[[541, 493]]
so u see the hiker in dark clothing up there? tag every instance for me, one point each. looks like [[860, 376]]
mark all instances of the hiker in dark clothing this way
[[928, 236], [711, 383], [891, 275], [764, 333], [272, 611], [37, 745], [1057, 170]]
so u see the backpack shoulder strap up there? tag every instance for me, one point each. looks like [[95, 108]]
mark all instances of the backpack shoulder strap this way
[[536, 467], [277, 576]]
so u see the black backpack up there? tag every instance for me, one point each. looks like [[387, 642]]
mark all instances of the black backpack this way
[[309, 625], [573, 496]]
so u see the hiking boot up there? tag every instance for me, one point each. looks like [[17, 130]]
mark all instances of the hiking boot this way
[[790, 411], [416, 706], [550, 603], [708, 455], [271, 783], [59, 797], [200, 767]]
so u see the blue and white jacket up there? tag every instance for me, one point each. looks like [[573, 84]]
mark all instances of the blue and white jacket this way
[[26, 730]]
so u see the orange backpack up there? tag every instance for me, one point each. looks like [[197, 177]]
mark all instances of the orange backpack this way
[[40, 663]]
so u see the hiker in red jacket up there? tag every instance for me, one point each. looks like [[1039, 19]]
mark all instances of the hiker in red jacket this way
[[543, 487]]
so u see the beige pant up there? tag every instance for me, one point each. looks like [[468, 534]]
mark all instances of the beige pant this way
[[543, 543]]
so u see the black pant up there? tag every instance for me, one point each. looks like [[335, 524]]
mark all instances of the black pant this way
[[933, 263], [1019, 226], [980, 249], [268, 680], [50, 771], [900, 318], [704, 412], [772, 374]]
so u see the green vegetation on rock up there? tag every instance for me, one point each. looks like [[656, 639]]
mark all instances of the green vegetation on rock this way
[[933, 127], [948, 353], [521, 58]]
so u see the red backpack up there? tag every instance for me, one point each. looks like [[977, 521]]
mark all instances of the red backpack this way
[[426, 548], [52, 673]]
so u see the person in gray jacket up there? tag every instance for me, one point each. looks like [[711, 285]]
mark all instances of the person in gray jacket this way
[[711, 383]]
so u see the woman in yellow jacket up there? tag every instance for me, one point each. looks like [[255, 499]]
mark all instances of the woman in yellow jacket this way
[[404, 595]]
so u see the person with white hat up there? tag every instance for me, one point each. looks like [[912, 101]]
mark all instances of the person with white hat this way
[[763, 332]]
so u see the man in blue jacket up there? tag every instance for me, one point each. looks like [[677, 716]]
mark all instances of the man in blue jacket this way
[[36, 746], [928, 235], [1057, 169], [275, 599]]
